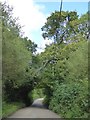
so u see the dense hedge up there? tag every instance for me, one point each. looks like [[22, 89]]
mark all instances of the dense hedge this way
[[66, 86], [70, 100]]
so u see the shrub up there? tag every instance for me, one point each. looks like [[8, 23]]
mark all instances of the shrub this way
[[70, 100]]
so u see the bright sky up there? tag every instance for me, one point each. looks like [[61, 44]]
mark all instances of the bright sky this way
[[33, 13]]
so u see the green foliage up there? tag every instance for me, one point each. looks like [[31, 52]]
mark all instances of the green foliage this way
[[17, 52], [65, 27], [70, 100], [78, 63], [15, 62], [60, 72], [9, 108], [31, 46], [65, 81], [37, 93], [70, 96]]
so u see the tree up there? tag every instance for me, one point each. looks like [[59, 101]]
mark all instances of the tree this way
[[8, 20], [65, 27], [57, 27], [31, 46], [17, 52], [65, 75]]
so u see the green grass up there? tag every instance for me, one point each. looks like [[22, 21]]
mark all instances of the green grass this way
[[9, 108]]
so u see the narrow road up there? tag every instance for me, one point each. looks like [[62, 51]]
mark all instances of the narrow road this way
[[36, 110]]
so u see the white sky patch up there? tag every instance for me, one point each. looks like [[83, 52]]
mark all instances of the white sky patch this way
[[31, 17], [42, 46], [29, 13], [45, 42]]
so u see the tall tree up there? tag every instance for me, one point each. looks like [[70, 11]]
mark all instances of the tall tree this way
[[67, 25], [18, 78], [57, 27]]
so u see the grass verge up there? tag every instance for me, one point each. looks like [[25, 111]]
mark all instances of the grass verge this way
[[9, 108]]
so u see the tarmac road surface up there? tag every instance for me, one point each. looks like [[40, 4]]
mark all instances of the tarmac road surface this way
[[36, 110]]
